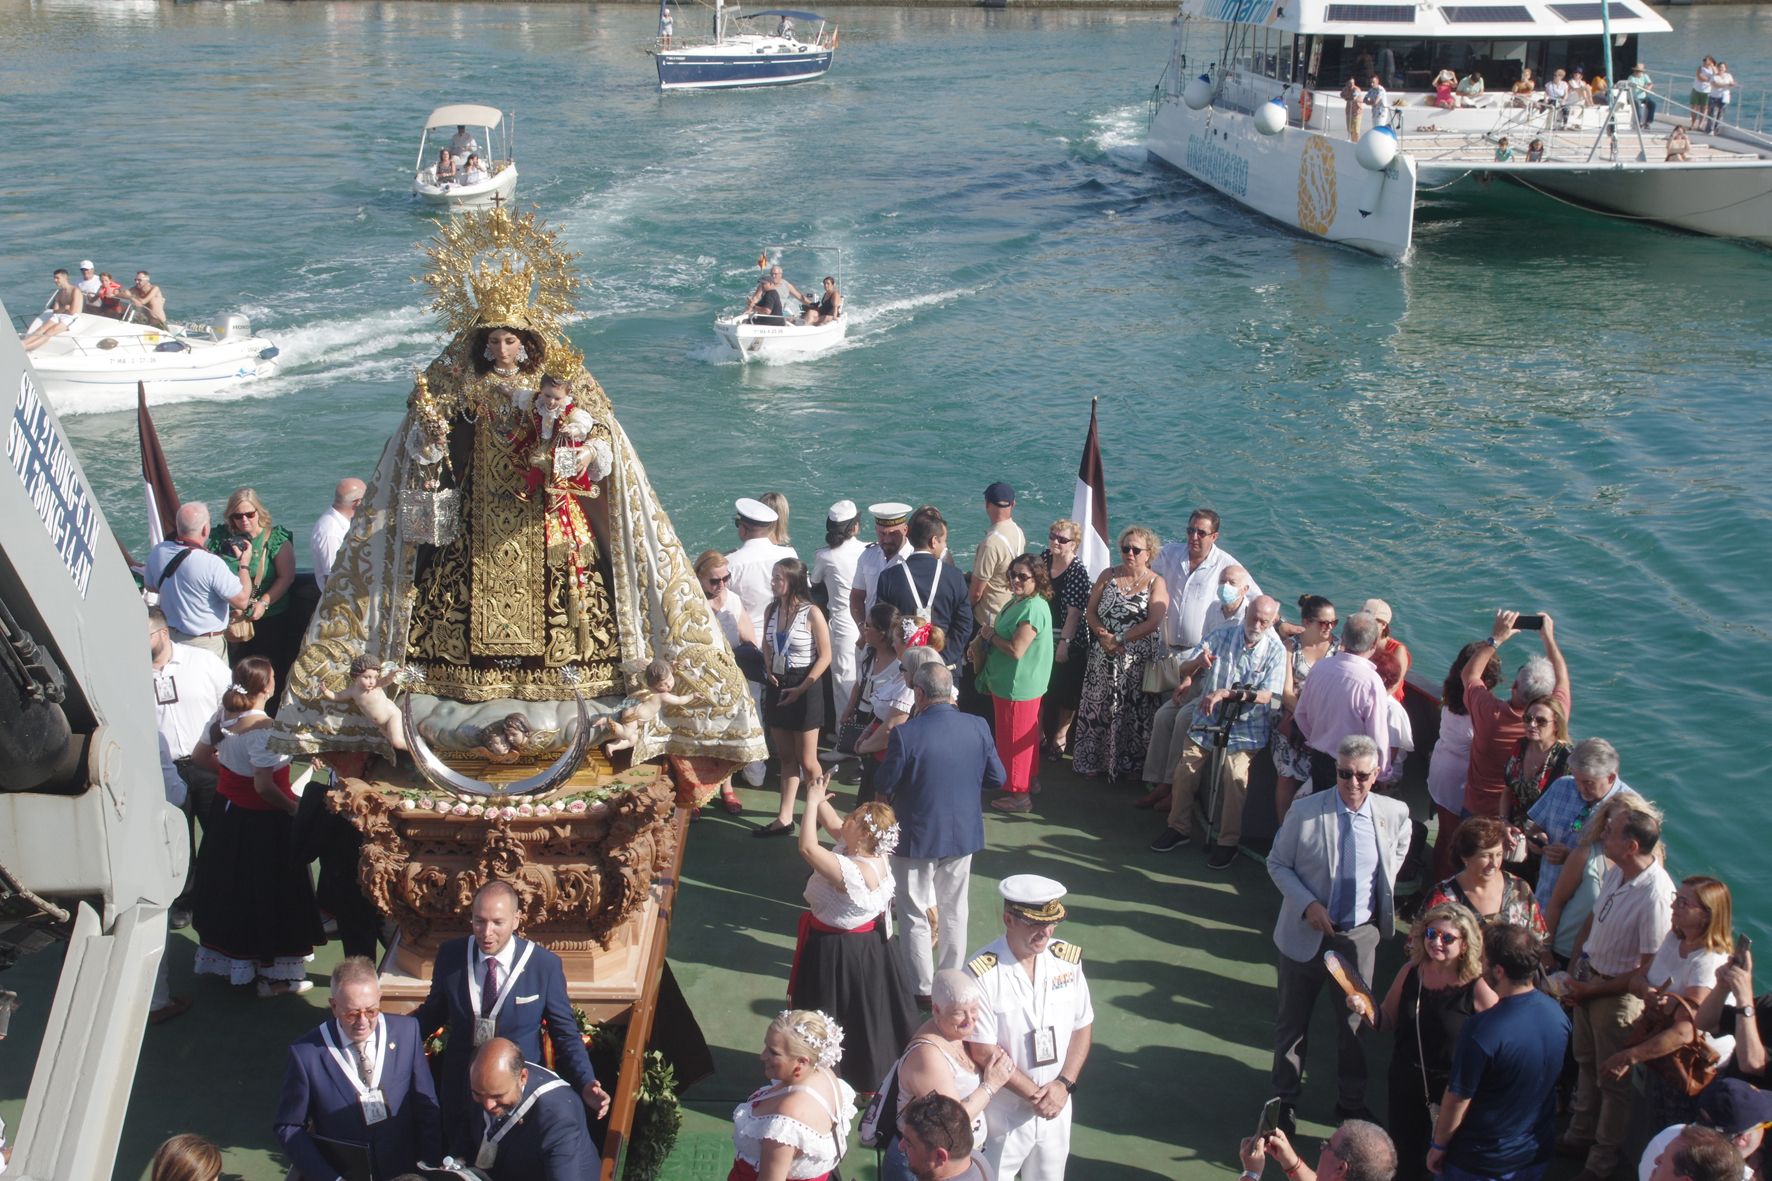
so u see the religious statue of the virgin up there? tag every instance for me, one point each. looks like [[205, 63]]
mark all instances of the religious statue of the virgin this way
[[510, 559]]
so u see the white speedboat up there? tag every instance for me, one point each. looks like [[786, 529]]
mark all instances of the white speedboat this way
[[747, 54], [1251, 104], [754, 335], [464, 129], [95, 363], [774, 342]]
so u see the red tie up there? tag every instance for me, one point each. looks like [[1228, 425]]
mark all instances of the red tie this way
[[490, 992]]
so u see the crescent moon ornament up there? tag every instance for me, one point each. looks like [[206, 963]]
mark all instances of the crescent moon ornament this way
[[443, 777]]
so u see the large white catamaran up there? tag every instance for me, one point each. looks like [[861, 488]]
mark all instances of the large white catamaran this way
[[1251, 103]]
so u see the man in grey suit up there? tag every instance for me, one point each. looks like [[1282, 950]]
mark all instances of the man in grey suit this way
[[1335, 860]]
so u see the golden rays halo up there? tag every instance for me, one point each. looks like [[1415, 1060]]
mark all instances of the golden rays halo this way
[[498, 269]]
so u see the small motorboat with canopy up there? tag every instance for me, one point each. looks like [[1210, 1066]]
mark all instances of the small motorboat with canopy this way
[[745, 52], [465, 130]]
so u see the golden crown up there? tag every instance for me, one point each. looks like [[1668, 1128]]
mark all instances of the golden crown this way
[[501, 295], [493, 269], [564, 361]]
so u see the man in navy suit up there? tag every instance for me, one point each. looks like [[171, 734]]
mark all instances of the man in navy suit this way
[[495, 984], [936, 766], [531, 1127], [929, 587], [360, 1078]]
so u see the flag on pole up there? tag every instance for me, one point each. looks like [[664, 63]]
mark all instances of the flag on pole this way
[[763, 260], [1089, 505], [156, 476]]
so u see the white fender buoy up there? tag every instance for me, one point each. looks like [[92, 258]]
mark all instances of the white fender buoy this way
[[1198, 94], [1270, 117], [1376, 149]]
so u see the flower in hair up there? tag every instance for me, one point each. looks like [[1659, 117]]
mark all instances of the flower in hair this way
[[237, 687], [826, 1045], [885, 839]]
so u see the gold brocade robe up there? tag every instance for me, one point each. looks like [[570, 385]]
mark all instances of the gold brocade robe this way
[[499, 612], [419, 607]]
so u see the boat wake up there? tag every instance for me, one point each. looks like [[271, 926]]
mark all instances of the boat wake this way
[[1119, 135]]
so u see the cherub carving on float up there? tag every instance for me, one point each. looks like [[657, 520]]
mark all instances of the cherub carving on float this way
[[512, 555], [643, 707], [367, 690]]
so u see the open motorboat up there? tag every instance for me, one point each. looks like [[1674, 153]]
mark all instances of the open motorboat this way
[[755, 335], [95, 363], [1251, 103], [469, 130], [746, 54]]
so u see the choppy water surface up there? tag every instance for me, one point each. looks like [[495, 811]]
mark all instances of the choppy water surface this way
[[1543, 410]]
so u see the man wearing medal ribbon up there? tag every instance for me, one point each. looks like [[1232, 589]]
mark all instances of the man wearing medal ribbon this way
[[1034, 1007], [358, 1089], [495, 984], [530, 1126]]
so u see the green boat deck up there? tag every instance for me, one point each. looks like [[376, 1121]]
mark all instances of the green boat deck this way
[[1178, 957]]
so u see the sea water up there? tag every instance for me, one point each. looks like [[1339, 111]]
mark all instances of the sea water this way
[[1543, 410]]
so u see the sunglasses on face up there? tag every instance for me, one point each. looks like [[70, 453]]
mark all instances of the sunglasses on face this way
[[245, 516], [1059, 539], [1199, 532], [1357, 776], [720, 581], [1131, 549], [1433, 936]]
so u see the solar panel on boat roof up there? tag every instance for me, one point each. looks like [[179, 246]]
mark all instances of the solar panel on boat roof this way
[[1470, 14], [1382, 14], [1591, 12]]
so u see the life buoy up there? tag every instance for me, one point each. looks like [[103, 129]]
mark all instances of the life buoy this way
[[1306, 104]]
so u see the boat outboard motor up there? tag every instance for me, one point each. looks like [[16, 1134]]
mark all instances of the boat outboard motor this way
[[34, 733], [232, 326]]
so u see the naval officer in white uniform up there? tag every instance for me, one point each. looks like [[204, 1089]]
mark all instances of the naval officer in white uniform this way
[[1035, 1006]]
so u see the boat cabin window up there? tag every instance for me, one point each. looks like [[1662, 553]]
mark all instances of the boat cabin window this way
[[1411, 63], [1276, 54]]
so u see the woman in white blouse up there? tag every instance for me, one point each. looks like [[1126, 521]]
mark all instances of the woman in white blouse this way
[[795, 1129], [1685, 967], [844, 962]]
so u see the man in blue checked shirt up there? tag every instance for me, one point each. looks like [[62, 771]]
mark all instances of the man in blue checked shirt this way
[[1248, 654]]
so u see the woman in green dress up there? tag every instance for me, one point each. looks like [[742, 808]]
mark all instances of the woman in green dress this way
[[1017, 667], [265, 548]]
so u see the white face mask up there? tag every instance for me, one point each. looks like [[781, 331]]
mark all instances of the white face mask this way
[[1228, 593]]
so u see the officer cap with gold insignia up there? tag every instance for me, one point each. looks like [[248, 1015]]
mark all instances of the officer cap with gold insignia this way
[[1033, 897], [755, 511], [890, 512]]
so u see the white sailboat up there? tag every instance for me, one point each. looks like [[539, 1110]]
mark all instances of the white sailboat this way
[[1251, 103]]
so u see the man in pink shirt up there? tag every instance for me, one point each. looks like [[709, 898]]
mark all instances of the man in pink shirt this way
[[1497, 726], [1343, 695]]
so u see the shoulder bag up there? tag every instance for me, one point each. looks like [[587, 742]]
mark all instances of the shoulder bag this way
[[1688, 1068], [240, 629]]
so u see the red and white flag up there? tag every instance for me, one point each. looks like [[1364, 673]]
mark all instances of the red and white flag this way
[[1089, 505], [156, 476]]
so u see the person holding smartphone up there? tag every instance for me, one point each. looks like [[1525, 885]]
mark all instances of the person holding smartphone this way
[[1498, 725]]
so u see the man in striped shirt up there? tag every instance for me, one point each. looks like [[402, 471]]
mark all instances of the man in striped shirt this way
[[1632, 915]]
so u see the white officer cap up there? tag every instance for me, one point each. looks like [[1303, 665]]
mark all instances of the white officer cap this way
[[841, 513], [755, 511], [890, 512], [1034, 897]]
